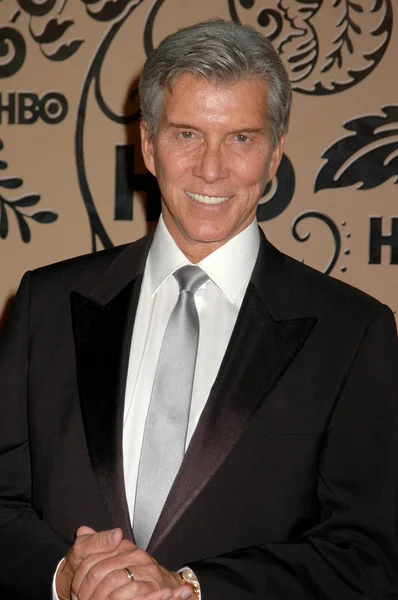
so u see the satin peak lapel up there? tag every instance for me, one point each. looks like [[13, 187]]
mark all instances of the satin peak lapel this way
[[259, 351], [102, 339]]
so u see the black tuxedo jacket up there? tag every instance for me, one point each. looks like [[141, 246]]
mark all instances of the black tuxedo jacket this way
[[288, 487]]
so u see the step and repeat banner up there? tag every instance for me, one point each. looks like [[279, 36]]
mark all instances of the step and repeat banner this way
[[72, 179]]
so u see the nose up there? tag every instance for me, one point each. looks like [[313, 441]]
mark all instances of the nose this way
[[211, 165]]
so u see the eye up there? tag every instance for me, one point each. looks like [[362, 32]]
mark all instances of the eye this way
[[242, 138], [186, 135]]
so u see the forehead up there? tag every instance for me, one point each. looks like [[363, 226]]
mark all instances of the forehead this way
[[198, 98]]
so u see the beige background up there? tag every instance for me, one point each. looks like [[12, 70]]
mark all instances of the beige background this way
[[44, 155]]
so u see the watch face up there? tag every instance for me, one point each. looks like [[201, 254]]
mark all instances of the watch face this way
[[190, 578]]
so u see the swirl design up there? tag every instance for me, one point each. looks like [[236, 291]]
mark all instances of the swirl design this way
[[269, 19], [278, 193], [37, 9], [272, 22], [148, 29], [334, 63], [98, 231], [306, 236], [12, 46]]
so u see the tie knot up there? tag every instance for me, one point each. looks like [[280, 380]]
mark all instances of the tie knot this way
[[190, 278]]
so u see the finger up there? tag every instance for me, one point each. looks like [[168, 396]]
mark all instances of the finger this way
[[140, 592], [185, 592], [114, 587], [163, 594], [126, 592], [94, 567], [182, 593], [84, 530], [95, 543], [85, 545]]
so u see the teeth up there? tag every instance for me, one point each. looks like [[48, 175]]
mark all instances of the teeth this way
[[207, 199]]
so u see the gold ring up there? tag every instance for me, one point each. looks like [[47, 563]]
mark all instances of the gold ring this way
[[130, 575]]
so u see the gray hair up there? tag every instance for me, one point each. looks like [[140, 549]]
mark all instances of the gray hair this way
[[220, 51]]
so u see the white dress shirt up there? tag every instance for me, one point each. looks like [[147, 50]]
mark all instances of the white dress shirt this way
[[218, 302]]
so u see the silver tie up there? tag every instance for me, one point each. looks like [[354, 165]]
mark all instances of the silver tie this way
[[166, 425]]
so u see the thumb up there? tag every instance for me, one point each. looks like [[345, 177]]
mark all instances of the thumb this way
[[84, 530], [107, 540], [88, 541]]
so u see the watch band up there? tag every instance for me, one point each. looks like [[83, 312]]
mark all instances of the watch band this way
[[189, 578]]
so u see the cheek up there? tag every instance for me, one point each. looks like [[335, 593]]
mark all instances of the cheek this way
[[253, 173], [171, 167]]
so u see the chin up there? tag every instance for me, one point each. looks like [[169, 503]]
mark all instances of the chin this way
[[207, 235]]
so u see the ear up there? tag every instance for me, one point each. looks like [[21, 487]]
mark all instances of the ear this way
[[276, 157], [147, 148]]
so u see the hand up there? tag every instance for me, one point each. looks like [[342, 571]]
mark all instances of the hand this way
[[103, 577], [94, 569], [87, 542]]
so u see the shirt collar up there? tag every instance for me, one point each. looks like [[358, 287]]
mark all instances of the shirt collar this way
[[229, 267], [164, 257]]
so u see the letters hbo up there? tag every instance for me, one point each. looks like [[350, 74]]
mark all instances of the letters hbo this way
[[25, 108]]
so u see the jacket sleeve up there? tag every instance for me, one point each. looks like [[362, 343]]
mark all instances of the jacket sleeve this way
[[352, 552], [29, 548]]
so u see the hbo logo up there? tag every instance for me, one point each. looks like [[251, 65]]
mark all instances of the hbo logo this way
[[25, 108]]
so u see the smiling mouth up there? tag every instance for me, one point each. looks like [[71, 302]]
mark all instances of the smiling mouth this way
[[207, 199]]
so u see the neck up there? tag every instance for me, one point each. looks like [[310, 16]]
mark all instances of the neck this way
[[197, 252]]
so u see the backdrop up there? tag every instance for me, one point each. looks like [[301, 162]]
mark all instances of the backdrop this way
[[71, 177]]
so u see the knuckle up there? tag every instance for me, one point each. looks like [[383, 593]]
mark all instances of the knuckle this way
[[114, 578], [152, 572], [86, 563], [76, 548], [135, 589], [140, 556], [116, 594], [127, 546], [102, 539], [95, 574], [145, 587]]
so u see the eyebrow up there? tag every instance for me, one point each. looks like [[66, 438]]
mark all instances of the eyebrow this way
[[181, 126], [237, 131], [248, 130]]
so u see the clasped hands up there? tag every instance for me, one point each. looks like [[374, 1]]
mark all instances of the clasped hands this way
[[94, 569]]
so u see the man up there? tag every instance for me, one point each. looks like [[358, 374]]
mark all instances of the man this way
[[287, 489]]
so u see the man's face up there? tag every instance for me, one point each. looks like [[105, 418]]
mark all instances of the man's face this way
[[212, 156]]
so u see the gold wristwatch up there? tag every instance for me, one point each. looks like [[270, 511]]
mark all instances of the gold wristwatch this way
[[189, 578]]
